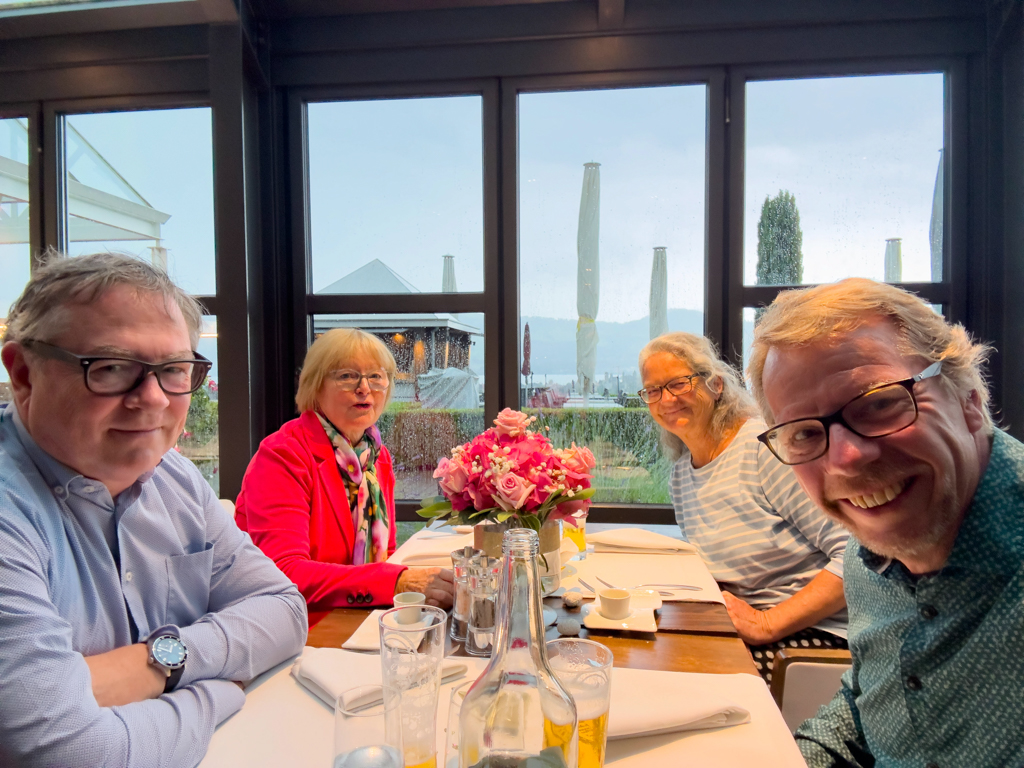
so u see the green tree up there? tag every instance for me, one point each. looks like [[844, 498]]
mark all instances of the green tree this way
[[201, 422], [779, 242]]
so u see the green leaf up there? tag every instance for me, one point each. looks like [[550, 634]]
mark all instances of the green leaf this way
[[503, 516], [435, 510]]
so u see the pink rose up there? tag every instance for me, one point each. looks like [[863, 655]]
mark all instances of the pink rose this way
[[512, 491], [579, 459], [452, 476], [511, 423]]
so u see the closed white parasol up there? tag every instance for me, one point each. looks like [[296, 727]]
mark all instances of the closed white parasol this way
[[659, 293], [588, 277]]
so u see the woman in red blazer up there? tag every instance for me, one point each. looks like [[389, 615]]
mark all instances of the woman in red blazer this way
[[319, 495]]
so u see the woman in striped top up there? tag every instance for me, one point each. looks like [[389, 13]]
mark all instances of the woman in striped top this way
[[777, 557]]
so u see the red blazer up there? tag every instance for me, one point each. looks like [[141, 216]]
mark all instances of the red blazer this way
[[295, 507]]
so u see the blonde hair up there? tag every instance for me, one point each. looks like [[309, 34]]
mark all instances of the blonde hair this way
[[700, 354], [809, 315], [336, 349]]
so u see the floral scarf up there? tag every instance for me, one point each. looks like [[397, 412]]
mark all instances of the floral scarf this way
[[369, 512]]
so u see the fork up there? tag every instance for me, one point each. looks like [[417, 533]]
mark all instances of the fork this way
[[660, 592]]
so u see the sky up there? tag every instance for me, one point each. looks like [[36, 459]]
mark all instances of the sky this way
[[402, 181]]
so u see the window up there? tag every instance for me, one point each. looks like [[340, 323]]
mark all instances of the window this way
[[612, 185], [14, 226], [844, 178], [142, 183], [396, 195]]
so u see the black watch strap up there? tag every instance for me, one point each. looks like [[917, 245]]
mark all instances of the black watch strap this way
[[173, 679]]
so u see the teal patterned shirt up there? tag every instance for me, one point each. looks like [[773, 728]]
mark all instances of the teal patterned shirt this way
[[938, 660]]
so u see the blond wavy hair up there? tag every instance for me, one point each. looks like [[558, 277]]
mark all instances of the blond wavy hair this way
[[700, 356], [336, 349], [809, 315]]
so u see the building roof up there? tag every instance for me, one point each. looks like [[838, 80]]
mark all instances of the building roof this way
[[374, 277]]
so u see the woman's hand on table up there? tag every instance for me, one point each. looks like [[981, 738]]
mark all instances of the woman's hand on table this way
[[436, 584], [753, 626]]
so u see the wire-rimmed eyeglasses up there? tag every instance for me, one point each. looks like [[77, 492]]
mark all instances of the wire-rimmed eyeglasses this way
[[676, 387], [882, 410], [110, 376], [348, 380]]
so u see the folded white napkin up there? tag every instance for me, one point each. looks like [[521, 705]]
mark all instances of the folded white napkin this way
[[329, 672], [646, 702], [637, 541], [431, 548], [367, 635]]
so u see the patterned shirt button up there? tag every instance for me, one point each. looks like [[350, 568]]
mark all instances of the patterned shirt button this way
[[929, 611], [914, 683], [351, 599]]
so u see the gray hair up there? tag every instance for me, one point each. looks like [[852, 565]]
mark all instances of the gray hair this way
[[38, 312], [700, 354], [830, 311]]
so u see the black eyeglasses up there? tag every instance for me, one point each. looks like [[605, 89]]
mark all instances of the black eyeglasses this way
[[677, 387], [881, 411], [120, 375]]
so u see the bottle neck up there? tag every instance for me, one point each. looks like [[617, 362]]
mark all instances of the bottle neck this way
[[519, 632]]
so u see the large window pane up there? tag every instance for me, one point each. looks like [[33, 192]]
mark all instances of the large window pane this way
[[852, 165], [650, 184], [396, 187], [142, 183], [200, 441], [439, 395], [14, 229]]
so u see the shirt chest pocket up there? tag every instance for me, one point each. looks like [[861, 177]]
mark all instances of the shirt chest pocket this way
[[188, 586]]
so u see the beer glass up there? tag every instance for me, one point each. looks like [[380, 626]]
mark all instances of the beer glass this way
[[410, 660], [584, 668]]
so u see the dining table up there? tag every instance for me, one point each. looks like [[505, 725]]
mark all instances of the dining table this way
[[695, 644]]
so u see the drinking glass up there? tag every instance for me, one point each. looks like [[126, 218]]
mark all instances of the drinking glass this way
[[410, 658], [584, 668], [367, 730], [451, 742], [577, 533]]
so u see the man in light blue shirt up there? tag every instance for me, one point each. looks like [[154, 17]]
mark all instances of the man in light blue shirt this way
[[109, 538]]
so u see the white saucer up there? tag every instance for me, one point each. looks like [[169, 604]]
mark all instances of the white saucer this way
[[638, 620], [550, 616]]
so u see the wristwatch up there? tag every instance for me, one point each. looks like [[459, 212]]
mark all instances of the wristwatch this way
[[167, 653]]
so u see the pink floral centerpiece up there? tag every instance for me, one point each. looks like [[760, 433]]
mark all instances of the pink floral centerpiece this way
[[510, 474]]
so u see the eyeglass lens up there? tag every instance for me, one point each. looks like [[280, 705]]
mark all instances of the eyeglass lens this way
[[112, 377], [675, 387], [349, 380], [874, 414]]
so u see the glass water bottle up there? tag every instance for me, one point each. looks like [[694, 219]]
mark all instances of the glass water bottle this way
[[517, 711]]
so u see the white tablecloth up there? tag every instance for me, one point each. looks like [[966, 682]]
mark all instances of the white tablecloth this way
[[283, 724]]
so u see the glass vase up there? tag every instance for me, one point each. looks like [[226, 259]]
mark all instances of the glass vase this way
[[517, 710]]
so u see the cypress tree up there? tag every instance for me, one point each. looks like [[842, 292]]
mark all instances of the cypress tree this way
[[779, 242]]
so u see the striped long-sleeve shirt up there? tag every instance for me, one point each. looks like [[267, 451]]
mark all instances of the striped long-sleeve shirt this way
[[760, 535]]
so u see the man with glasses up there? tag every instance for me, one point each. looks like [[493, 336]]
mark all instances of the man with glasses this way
[[132, 608], [881, 408]]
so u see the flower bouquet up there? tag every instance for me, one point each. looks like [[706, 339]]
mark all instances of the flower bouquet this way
[[513, 476]]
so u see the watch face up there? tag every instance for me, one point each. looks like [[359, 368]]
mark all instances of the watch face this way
[[169, 651]]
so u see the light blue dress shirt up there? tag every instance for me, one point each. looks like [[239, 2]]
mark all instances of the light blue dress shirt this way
[[183, 561]]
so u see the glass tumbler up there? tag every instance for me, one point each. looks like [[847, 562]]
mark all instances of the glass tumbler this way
[[584, 668], [367, 730], [462, 560], [410, 659], [451, 734]]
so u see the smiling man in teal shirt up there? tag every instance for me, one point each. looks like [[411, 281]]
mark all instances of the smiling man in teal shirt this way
[[881, 408]]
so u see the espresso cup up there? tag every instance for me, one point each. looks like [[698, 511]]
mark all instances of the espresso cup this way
[[614, 603], [410, 602]]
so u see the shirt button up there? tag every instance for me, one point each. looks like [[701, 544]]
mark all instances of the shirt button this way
[[914, 683], [351, 599], [128, 576], [89, 489], [59, 490], [929, 611]]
